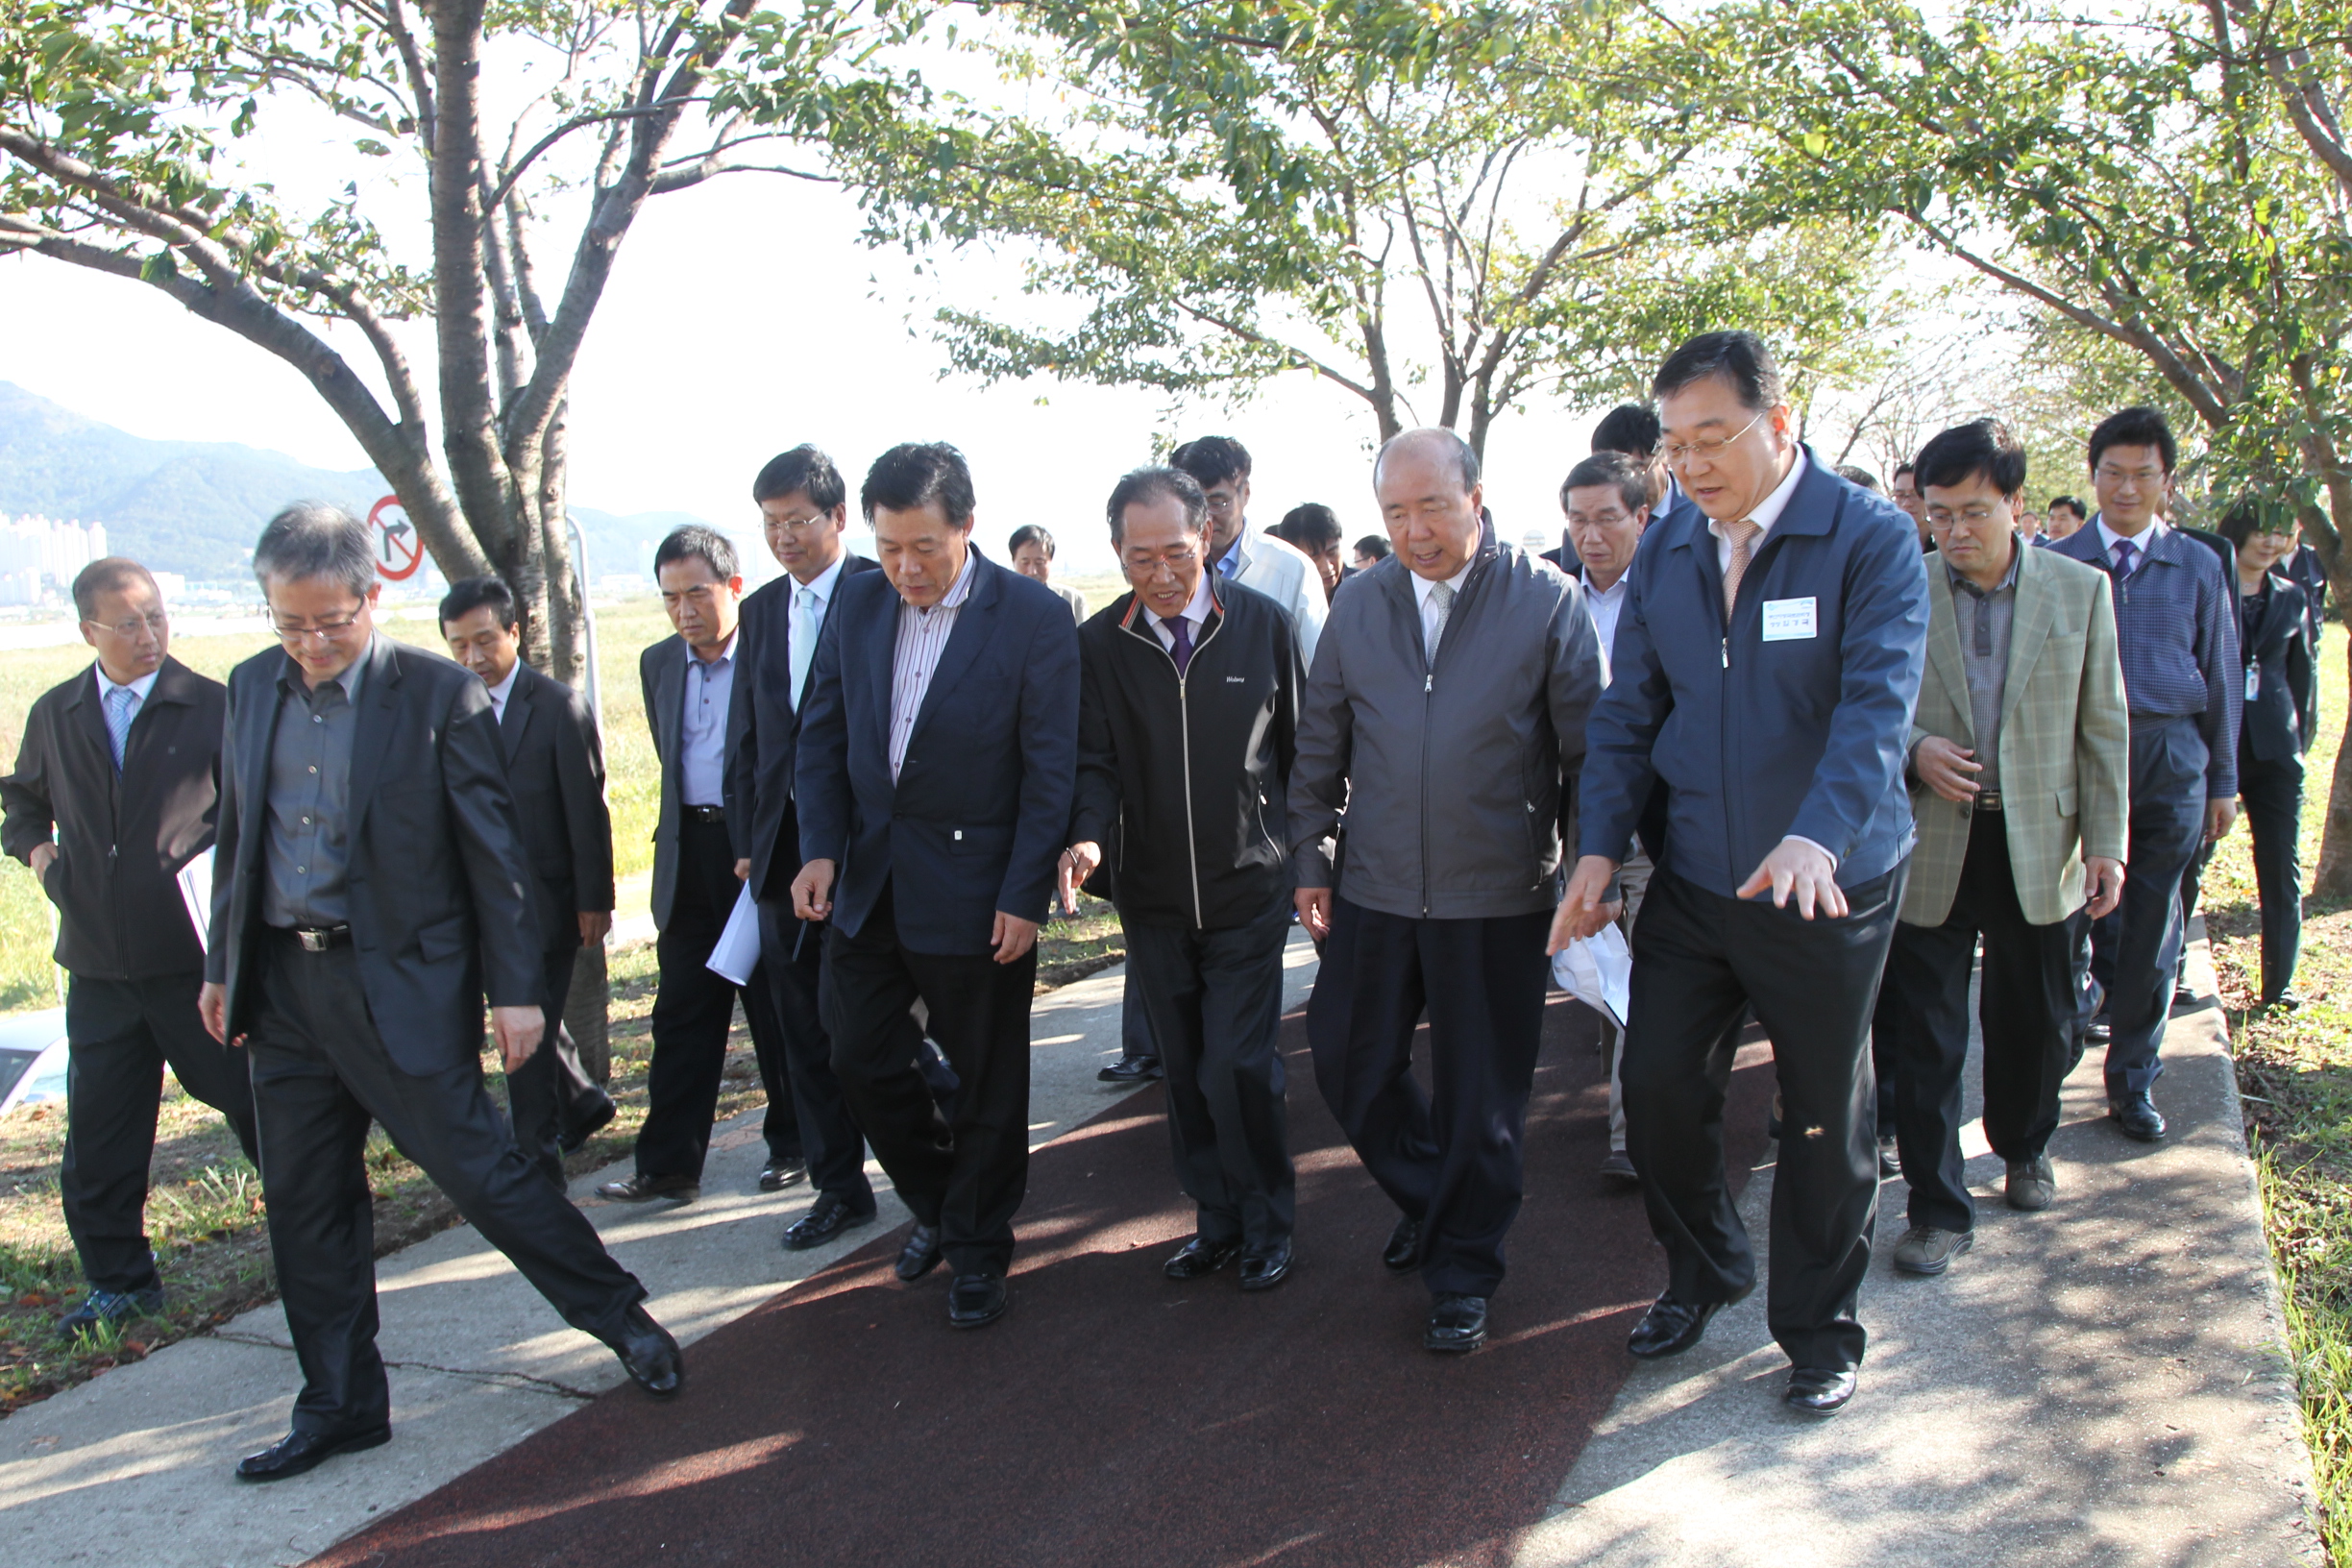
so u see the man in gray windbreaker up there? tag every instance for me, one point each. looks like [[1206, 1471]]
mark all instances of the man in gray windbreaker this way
[[1444, 720]]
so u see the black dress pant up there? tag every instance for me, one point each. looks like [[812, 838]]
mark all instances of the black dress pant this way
[[967, 1173], [691, 1014], [2137, 949], [793, 957], [2273, 795], [320, 1073], [1698, 957], [2028, 1007], [121, 1033], [552, 1092], [1215, 1004], [1452, 1159]]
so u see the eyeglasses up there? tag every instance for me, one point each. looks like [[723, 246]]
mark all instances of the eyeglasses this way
[[1680, 456], [798, 525], [2133, 476], [153, 621], [1173, 562], [1975, 517], [328, 630]]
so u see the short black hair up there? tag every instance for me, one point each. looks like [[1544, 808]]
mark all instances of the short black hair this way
[[105, 576], [1980, 448], [2081, 512], [1311, 527], [1629, 474], [2139, 426], [697, 542], [1465, 456], [1630, 428], [1030, 533], [1374, 545], [2245, 520], [1854, 474], [1900, 469], [1147, 484], [914, 473], [804, 471], [466, 597], [1213, 459], [1739, 358]]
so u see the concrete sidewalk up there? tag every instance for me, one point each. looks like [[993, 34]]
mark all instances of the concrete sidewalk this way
[[2100, 1384], [134, 1466]]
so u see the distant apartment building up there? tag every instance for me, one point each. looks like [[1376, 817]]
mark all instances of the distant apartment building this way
[[40, 556]]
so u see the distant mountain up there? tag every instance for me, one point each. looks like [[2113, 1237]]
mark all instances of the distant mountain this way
[[194, 506]]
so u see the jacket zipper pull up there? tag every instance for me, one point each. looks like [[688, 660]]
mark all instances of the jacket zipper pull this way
[[1726, 653], [1429, 682]]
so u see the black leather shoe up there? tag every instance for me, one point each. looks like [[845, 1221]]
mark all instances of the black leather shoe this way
[[2135, 1116], [1199, 1256], [2099, 1031], [2184, 995], [300, 1450], [1132, 1069], [594, 1122], [1819, 1390], [1266, 1269], [651, 1355], [921, 1253], [1670, 1326], [778, 1174], [974, 1301], [643, 1189], [1889, 1161], [827, 1218], [1402, 1254], [1456, 1324]]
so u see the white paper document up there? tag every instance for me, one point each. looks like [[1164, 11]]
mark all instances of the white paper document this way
[[196, 891], [1597, 970], [738, 952]]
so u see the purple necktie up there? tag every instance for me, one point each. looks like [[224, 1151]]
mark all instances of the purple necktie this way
[[2123, 553], [1182, 630]]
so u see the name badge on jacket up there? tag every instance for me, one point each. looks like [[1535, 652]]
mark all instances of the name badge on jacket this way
[[1789, 620]]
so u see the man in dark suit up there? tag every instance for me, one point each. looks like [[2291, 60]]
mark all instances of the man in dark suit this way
[[112, 794], [555, 767], [371, 885], [1787, 838], [938, 756], [804, 510], [689, 685]]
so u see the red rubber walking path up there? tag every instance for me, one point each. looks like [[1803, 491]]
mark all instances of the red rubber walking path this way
[[1113, 1418]]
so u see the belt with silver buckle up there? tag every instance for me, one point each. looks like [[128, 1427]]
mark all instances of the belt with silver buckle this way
[[1988, 800], [704, 814], [318, 938]]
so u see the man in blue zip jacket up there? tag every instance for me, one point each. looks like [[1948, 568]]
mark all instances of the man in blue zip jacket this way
[[1767, 667]]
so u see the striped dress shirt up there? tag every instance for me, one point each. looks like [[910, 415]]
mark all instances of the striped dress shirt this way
[[922, 637]]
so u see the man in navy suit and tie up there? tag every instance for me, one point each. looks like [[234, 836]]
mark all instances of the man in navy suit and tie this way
[[1788, 836], [804, 511], [937, 762]]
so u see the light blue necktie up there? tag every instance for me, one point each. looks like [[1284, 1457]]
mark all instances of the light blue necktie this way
[[120, 700]]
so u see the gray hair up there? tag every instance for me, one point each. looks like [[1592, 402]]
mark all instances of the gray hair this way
[[1465, 457], [312, 541]]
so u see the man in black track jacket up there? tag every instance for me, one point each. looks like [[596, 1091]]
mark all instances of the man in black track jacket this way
[[1188, 706]]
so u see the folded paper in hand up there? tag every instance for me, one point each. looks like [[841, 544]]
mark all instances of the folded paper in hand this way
[[738, 952], [1597, 970], [196, 892]]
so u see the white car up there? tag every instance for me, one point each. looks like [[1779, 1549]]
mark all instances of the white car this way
[[31, 1058]]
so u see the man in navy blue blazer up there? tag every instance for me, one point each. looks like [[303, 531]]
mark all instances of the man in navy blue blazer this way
[[1768, 662], [938, 760]]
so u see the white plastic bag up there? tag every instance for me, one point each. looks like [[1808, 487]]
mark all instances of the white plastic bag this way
[[738, 952], [1597, 970]]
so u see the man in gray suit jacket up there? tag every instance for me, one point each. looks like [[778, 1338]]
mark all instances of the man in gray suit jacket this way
[[371, 886], [689, 683]]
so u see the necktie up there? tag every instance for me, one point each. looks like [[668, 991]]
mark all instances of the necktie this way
[[2125, 553], [804, 643], [1181, 630], [1742, 535], [1441, 599], [118, 719]]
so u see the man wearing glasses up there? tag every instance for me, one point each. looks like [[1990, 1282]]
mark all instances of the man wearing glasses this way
[[112, 794], [2176, 625], [1788, 836], [372, 885]]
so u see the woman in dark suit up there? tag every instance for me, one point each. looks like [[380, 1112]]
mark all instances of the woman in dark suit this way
[[2281, 717]]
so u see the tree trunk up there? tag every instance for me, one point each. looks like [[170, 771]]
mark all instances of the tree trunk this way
[[2334, 879]]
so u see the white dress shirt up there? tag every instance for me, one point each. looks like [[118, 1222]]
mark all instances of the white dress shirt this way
[[505, 689], [1196, 612], [1606, 605], [1768, 512], [702, 727], [807, 620], [1423, 588], [2141, 542], [922, 637], [139, 689]]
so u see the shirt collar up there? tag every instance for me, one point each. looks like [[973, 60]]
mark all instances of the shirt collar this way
[[1961, 583], [961, 589], [822, 587], [1196, 610], [1237, 554], [1423, 586], [1768, 510], [2143, 542], [727, 656], [505, 689], [292, 679], [139, 688]]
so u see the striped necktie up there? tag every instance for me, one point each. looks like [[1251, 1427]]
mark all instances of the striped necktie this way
[[1742, 535], [2124, 553], [121, 706]]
